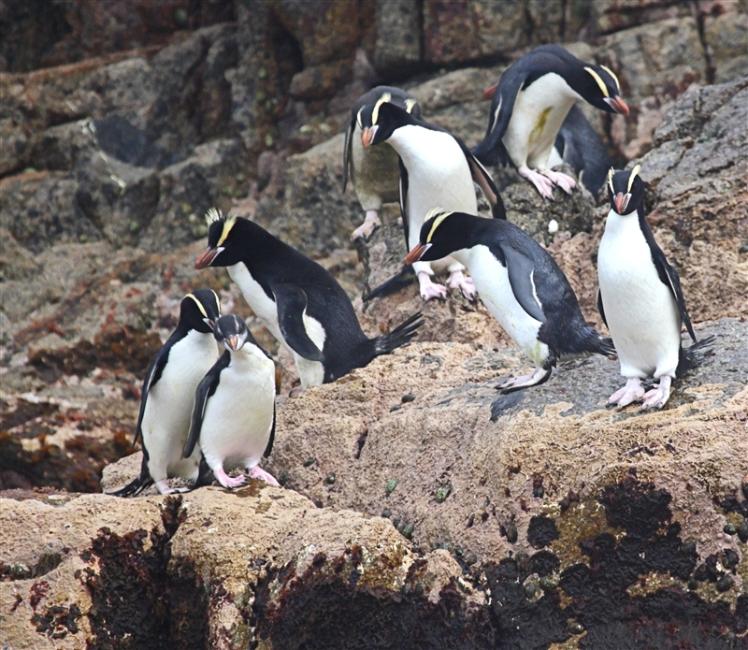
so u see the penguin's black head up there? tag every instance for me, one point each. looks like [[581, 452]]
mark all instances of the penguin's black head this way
[[385, 118], [231, 332], [199, 310], [600, 87], [626, 190], [223, 247], [367, 114], [441, 234]]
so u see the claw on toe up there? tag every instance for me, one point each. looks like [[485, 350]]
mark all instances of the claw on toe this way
[[458, 280], [258, 473], [564, 181], [429, 289]]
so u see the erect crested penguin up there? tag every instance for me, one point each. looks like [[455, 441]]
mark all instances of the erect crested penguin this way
[[297, 300], [520, 284], [168, 394], [436, 170], [529, 105], [640, 298], [374, 172], [234, 416]]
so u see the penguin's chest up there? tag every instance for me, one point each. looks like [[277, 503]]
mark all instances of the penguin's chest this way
[[492, 282], [263, 306], [169, 404], [642, 315], [375, 172], [438, 174], [239, 415], [537, 116]]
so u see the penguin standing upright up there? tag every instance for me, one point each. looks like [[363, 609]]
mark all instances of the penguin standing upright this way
[[520, 284], [530, 103], [234, 416], [436, 169], [374, 172], [640, 298], [297, 300], [168, 394]]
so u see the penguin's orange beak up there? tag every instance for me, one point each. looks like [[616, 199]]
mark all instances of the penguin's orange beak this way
[[488, 93], [233, 342], [621, 201], [367, 135], [206, 258], [618, 105], [416, 253]]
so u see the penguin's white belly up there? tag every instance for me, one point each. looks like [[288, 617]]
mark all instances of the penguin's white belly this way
[[311, 373], [438, 177], [168, 409], [537, 116], [239, 415], [375, 173], [492, 282], [642, 315]]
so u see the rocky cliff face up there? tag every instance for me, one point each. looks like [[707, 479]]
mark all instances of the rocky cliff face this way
[[417, 509]]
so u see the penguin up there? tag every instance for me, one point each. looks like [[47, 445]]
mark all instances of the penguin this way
[[436, 169], [520, 284], [168, 394], [374, 172], [640, 298], [297, 300], [530, 102], [233, 421]]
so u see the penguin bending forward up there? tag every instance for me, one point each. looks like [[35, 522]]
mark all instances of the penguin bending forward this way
[[374, 172], [640, 298], [436, 170], [530, 103], [233, 421], [520, 284], [297, 300], [168, 394]]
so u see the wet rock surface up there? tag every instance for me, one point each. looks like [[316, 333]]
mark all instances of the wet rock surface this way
[[419, 507]]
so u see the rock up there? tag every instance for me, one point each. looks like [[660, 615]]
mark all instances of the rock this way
[[198, 572], [726, 37], [397, 46]]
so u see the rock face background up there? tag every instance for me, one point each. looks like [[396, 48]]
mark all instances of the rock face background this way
[[417, 510]]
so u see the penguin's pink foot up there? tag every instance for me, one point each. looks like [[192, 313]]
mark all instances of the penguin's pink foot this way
[[367, 228], [631, 392], [429, 289], [564, 181], [535, 378], [541, 183], [458, 280], [259, 473], [657, 397], [227, 481], [163, 487]]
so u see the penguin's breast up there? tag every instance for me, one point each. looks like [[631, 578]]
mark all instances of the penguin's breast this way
[[492, 282], [262, 305]]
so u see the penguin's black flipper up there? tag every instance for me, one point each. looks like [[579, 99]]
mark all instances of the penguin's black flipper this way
[[521, 270], [600, 307], [205, 389], [404, 200], [668, 275], [580, 146], [395, 283], [152, 375], [347, 153], [291, 302], [491, 150], [271, 439], [484, 180]]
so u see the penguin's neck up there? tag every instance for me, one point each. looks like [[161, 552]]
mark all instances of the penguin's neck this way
[[416, 145], [248, 358]]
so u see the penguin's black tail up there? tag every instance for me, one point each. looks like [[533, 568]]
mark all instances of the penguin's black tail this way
[[588, 339], [694, 356], [395, 283], [399, 336], [134, 487]]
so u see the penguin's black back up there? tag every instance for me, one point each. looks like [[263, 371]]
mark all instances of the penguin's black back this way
[[581, 147]]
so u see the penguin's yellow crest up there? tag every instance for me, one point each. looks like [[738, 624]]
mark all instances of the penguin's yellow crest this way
[[382, 100], [612, 74], [610, 179], [410, 104], [440, 215], [598, 80], [634, 173], [198, 303]]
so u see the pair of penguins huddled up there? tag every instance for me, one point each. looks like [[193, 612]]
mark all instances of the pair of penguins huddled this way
[[200, 415]]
